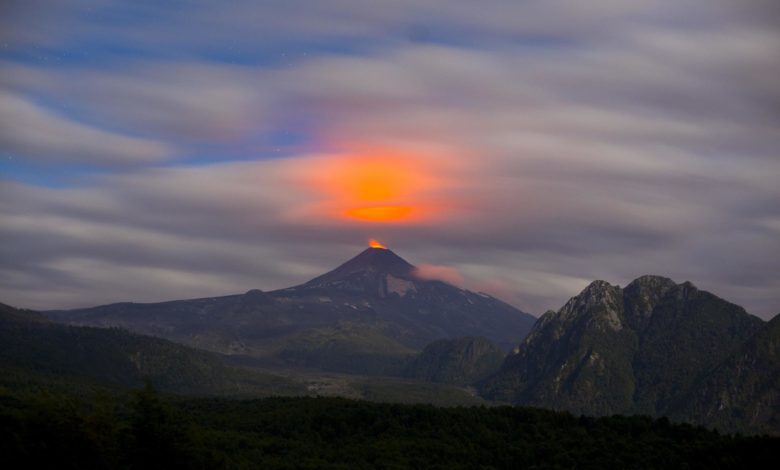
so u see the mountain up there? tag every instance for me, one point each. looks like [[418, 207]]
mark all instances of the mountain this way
[[38, 352], [643, 349], [370, 315], [460, 361]]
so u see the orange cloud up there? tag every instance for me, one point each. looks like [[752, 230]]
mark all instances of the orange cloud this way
[[378, 187], [380, 213]]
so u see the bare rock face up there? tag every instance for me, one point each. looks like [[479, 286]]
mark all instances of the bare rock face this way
[[642, 349], [601, 302]]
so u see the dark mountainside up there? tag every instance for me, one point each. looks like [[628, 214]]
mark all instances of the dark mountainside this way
[[744, 391], [36, 352], [369, 315], [460, 361], [645, 349]]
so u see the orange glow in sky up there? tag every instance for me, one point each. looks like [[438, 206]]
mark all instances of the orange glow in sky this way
[[380, 213], [375, 244], [378, 187]]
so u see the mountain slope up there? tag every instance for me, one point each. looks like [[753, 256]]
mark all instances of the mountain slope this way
[[376, 294], [635, 350], [690, 332], [34, 349], [458, 361], [743, 392]]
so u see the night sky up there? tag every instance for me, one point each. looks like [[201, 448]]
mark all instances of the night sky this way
[[155, 150]]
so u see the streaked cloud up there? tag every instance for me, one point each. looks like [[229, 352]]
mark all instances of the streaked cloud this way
[[551, 143], [32, 132]]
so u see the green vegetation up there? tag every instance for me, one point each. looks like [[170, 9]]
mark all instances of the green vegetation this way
[[698, 330], [461, 361], [149, 431], [347, 347], [748, 384]]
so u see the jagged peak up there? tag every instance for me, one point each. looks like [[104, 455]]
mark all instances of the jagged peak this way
[[596, 291], [598, 287], [597, 294]]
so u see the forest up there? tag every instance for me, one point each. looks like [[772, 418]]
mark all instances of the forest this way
[[104, 428]]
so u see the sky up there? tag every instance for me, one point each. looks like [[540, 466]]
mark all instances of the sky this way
[[157, 150]]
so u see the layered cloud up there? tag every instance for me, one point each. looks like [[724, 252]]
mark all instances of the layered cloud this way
[[34, 133], [527, 148]]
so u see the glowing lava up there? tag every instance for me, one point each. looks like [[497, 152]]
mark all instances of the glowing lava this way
[[375, 244]]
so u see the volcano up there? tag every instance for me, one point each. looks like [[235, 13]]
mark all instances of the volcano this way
[[365, 316]]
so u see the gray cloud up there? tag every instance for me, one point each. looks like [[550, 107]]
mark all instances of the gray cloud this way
[[34, 133], [180, 101], [247, 23], [646, 146]]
